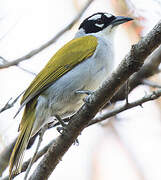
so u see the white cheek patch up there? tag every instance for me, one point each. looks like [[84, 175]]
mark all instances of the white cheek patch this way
[[108, 15], [95, 17], [99, 25]]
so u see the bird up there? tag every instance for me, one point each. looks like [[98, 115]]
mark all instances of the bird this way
[[75, 70]]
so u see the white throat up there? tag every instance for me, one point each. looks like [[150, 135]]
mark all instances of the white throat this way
[[80, 33]]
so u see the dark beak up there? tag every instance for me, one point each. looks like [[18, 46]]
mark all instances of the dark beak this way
[[120, 20]]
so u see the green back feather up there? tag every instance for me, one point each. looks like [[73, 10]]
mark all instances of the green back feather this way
[[71, 54]]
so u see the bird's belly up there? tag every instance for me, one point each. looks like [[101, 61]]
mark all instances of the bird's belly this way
[[61, 98]]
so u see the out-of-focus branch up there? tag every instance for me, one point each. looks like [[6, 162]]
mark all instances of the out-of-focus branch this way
[[76, 4], [48, 43], [131, 63], [4, 61], [5, 156], [129, 154]]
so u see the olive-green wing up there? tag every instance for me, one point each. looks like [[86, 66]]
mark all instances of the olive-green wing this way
[[63, 61]]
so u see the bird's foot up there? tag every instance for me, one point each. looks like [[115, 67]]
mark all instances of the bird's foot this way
[[62, 123], [88, 92], [62, 129], [88, 99]]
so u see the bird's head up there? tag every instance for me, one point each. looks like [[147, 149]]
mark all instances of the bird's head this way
[[101, 23]]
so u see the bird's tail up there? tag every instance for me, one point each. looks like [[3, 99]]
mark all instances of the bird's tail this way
[[25, 129]]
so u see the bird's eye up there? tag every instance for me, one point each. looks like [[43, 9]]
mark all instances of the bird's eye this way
[[99, 21]]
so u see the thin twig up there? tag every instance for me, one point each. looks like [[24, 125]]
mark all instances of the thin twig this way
[[23, 69], [41, 134], [48, 43], [10, 104], [146, 98], [26, 70], [129, 154]]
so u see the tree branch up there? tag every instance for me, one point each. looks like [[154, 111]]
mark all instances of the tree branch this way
[[130, 64], [48, 43], [5, 156], [152, 96]]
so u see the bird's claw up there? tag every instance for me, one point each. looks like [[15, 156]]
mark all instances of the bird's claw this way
[[60, 130], [88, 99], [88, 92]]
